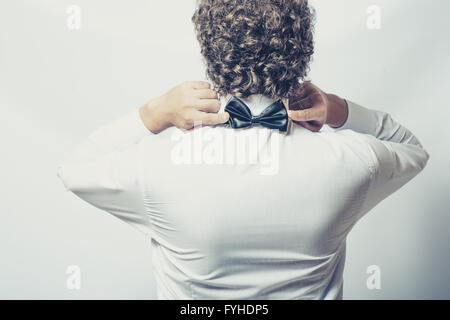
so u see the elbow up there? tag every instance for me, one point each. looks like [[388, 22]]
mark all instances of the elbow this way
[[422, 159], [62, 175], [426, 157]]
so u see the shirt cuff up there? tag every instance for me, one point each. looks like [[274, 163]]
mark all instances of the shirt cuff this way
[[360, 119], [125, 131]]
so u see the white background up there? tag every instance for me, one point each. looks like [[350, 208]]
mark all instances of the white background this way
[[57, 85]]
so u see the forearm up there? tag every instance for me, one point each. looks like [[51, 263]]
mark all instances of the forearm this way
[[116, 135], [398, 156], [105, 172], [104, 169], [378, 124], [343, 114]]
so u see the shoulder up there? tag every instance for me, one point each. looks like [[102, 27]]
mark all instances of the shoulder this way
[[346, 151], [358, 146]]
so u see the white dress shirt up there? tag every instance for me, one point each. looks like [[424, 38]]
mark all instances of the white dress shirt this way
[[226, 224]]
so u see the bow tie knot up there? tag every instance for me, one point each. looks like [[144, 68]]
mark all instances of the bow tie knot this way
[[255, 119], [273, 117]]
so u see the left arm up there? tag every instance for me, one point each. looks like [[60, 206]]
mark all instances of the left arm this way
[[104, 171]]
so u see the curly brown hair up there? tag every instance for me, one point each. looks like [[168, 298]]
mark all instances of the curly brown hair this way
[[255, 46]]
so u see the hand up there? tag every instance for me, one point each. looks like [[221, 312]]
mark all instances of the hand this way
[[185, 105], [312, 108]]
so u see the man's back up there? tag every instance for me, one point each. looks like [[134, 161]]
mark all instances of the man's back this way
[[272, 226], [249, 213]]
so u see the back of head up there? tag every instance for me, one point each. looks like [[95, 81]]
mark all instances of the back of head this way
[[255, 46]]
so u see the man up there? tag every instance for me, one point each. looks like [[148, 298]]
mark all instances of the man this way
[[220, 226]]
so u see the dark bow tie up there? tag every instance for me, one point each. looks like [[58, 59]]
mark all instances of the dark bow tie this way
[[273, 117]]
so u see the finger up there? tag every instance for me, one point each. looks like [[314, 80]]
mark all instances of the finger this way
[[314, 126], [311, 125], [306, 114], [206, 94], [199, 84], [208, 105], [302, 92], [305, 90], [308, 88], [209, 119], [301, 104]]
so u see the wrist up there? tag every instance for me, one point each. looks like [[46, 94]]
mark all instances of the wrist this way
[[154, 115], [337, 112]]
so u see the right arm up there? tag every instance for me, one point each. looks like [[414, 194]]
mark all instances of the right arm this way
[[104, 169], [396, 154]]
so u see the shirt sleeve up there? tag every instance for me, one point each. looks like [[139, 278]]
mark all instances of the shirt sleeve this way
[[396, 154], [104, 170]]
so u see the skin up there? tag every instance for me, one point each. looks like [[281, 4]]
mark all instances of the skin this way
[[312, 108], [182, 106], [194, 101]]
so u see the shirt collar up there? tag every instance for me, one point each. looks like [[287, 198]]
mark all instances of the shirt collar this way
[[255, 102]]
